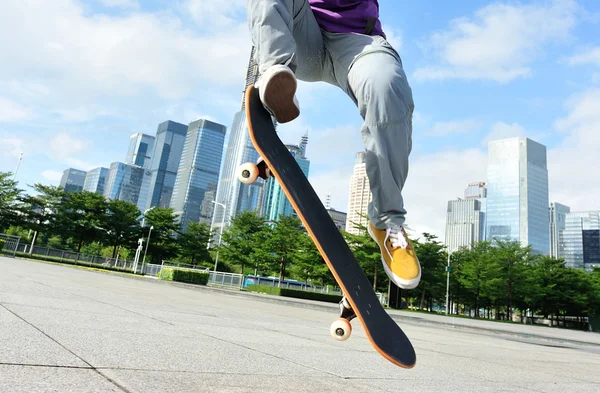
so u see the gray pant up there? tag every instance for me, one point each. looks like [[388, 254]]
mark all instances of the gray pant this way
[[367, 68]]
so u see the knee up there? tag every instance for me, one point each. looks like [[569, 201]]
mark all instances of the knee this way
[[379, 84]]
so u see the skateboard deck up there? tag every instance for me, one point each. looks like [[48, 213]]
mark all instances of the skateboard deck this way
[[384, 334]]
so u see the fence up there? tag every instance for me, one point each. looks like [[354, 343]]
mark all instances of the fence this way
[[9, 244], [227, 280], [74, 257]]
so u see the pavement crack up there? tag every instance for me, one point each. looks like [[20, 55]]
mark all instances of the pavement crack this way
[[90, 366]]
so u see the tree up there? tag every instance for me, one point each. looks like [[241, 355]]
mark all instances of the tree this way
[[367, 253], [81, 216], [431, 256], [284, 241], [121, 224], [8, 198], [244, 241], [39, 212], [192, 243], [162, 244]]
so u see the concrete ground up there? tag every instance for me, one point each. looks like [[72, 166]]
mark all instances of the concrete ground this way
[[64, 329]]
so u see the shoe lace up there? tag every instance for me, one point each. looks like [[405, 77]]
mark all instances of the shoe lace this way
[[398, 238]]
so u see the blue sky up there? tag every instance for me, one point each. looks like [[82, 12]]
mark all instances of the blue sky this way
[[77, 78]]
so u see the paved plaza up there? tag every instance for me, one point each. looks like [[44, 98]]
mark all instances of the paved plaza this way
[[64, 329]]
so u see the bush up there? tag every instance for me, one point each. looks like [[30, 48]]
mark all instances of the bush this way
[[2, 242], [188, 276], [323, 297]]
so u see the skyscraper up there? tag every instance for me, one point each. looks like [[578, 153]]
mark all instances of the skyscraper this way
[[166, 155], [580, 240], [517, 205], [276, 203], [359, 195], [95, 180], [464, 222], [198, 171], [73, 180], [558, 215], [140, 150], [124, 182], [235, 195]]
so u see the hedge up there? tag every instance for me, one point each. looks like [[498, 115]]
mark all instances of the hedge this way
[[2, 241], [323, 297], [188, 276]]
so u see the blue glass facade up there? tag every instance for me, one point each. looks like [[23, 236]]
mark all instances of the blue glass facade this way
[[95, 180], [140, 150], [72, 180], [124, 182], [166, 155], [235, 195], [517, 203], [276, 203], [198, 172]]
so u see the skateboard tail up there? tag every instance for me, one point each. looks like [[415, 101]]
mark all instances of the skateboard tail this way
[[318, 205]]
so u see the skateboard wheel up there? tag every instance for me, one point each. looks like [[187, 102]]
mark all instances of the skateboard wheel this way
[[247, 173], [340, 329]]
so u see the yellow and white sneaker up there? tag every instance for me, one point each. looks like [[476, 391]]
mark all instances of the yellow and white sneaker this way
[[398, 256]]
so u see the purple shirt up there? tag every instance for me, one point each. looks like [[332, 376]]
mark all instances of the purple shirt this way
[[346, 16]]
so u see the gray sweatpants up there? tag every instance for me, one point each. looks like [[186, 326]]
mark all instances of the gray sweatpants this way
[[367, 68]]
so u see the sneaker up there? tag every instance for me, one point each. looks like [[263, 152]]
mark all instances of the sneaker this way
[[398, 256], [277, 91]]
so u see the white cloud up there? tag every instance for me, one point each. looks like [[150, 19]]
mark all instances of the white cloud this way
[[574, 170], [590, 56], [11, 147], [501, 130], [12, 112], [453, 127], [499, 43], [95, 64], [218, 14], [53, 176], [65, 149], [127, 4], [394, 37]]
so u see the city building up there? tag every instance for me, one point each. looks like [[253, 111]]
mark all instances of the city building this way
[[517, 196], [580, 240], [140, 150], [359, 196], [558, 215], [464, 223], [198, 171], [339, 218], [124, 182], [73, 180], [166, 155], [95, 180], [234, 196], [276, 203]]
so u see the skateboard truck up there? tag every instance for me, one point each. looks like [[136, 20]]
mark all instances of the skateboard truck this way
[[341, 328]]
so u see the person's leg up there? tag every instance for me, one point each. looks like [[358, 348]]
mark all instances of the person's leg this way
[[288, 45], [371, 73]]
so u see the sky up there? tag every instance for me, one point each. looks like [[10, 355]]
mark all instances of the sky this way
[[77, 78]]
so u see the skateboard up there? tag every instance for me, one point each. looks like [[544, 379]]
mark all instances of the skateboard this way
[[359, 300]]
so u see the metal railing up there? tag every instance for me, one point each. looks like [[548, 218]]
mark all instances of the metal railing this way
[[75, 257], [9, 244]]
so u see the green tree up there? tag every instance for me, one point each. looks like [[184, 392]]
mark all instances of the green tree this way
[[39, 212], [192, 243], [244, 240], [433, 273], [162, 244], [9, 194], [81, 216], [367, 253], [472, 274], [284, 242], [121, 224]]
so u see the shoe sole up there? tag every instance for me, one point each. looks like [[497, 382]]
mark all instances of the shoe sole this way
[[400, 282], [279, 97]]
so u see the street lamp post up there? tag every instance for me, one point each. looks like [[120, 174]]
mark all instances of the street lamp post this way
[[148, 242], [221, 232], [448, 283]]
